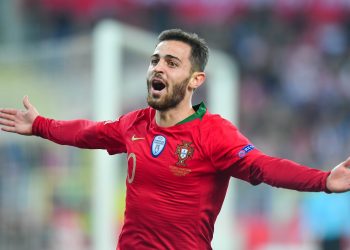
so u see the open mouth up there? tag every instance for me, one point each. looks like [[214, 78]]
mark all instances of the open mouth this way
[[158, 85]]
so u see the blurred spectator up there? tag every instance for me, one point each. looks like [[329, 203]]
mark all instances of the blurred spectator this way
[[327, 217], [294, 64]]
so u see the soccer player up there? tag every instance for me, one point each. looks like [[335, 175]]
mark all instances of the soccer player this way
[[180, 157]]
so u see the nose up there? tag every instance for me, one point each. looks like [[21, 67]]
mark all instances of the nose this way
[[159, 67]]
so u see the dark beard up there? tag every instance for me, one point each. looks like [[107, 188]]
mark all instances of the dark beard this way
[[171, 100]]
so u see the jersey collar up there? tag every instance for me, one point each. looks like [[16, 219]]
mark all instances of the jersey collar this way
[[200, 111]]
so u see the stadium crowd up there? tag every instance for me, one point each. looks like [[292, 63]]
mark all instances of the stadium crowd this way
[[294, 64]]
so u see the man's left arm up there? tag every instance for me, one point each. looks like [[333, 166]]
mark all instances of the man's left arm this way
[[238, 157], [288, 174], [277, 172]]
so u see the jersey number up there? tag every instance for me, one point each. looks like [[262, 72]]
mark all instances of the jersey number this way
[[131, 178]]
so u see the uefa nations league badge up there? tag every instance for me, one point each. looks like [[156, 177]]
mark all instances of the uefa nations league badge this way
[[158, 145]]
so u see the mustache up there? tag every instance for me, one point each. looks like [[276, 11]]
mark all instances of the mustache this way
[[157, 75]]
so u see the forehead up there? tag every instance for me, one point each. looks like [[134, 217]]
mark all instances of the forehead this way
[[178, 49]]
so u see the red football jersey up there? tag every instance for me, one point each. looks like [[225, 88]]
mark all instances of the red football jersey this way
[[178, 176]]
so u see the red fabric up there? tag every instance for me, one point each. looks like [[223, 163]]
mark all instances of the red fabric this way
[[174, 197]]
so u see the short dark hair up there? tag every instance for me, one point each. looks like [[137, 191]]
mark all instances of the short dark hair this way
[[199, 47]]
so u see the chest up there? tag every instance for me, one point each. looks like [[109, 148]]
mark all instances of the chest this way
[[165, 158]]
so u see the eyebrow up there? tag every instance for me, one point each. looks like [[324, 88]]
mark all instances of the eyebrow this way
[[167, 57]]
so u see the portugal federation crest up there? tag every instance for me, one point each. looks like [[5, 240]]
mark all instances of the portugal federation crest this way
[[184, 151]]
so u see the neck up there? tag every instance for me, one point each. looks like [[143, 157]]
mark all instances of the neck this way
[[175, 115]]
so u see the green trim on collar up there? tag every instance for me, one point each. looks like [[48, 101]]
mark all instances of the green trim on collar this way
[[200, 111]]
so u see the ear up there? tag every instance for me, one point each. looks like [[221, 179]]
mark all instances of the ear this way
[[197, 79]]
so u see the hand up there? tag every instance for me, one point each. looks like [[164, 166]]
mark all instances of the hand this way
[[19, 121], [339, 179]]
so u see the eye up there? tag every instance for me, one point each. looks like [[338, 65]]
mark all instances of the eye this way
[[154, 61], [172, 64]]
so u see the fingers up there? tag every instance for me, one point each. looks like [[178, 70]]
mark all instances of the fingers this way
[[7, 123], [347, 162], [26, 102], [8, 111], [9, 129], [7, 116]]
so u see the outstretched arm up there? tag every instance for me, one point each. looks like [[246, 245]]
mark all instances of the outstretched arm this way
[[339, 179], [284, 173], [19, 121], [77, 133]]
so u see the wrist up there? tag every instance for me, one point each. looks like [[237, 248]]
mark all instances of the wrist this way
[[327, 188], [36, 125]]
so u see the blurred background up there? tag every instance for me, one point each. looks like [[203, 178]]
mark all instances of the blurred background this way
[[293, 60]]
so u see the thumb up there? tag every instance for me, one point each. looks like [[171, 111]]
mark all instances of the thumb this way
[[347, 163], [26, 102]]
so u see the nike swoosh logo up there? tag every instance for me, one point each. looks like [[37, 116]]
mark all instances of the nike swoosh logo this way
[[134, 138]]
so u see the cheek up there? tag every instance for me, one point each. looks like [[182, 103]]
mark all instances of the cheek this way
[[149, 72], [150, 69]]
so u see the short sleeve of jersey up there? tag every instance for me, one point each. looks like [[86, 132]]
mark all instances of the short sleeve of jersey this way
[[226, 145]]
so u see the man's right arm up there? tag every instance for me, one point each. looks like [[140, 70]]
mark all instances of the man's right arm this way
[[78, 133]]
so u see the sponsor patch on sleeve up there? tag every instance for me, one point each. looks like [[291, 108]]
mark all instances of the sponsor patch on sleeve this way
[[245, 150]]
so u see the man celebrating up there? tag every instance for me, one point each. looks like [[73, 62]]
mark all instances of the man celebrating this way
[[180, 157]]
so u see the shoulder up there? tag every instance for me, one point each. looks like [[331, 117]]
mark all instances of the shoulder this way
[[218, 132], [222, 142], [139, 113], [137, 116], [215, 122]]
